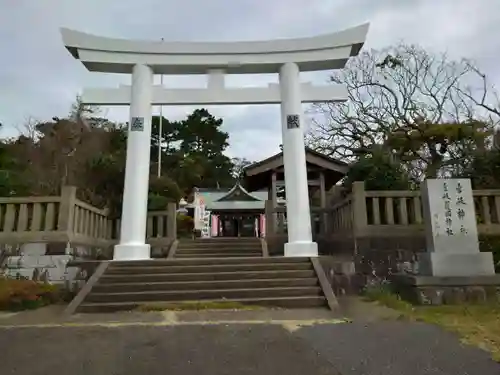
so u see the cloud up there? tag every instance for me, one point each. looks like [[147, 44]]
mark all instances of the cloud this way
[[38, 77]]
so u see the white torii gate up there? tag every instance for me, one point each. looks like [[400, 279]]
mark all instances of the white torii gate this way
[[144, 58]]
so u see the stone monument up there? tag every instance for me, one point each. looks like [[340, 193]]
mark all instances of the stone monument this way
[[451, 231], [451, 270]]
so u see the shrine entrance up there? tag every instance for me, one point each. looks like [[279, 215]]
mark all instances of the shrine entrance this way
[[231, 225]]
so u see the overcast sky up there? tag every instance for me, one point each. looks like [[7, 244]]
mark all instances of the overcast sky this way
[[40, 79]]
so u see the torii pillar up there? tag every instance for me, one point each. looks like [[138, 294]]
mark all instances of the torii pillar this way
[[136, 187], [294, 160]]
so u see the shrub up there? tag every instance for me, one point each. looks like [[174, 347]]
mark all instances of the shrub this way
[[382, 293], [378, 172], [185, 225], [491, 244], [22, 294], [157, 202]]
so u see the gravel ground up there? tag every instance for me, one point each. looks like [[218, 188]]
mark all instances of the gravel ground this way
[[355, 348]]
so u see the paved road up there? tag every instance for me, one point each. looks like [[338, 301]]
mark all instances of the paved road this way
[[388, 348]]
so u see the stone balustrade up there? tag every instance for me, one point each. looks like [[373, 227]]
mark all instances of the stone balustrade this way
[[39, 236], [382, 227]]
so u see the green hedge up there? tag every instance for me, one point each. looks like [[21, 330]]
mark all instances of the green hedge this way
[[491, 244]]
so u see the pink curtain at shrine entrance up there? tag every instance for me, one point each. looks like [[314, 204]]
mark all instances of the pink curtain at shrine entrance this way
[[215, 226], [262, 224]]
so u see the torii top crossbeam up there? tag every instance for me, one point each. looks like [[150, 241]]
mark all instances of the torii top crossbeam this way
[[325, 52]]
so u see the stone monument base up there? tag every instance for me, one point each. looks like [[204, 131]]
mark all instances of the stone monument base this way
[[431, 290], [456, 264]]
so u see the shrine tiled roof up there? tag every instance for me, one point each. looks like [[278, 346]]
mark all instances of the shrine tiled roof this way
[[226, 199], [236, 205]]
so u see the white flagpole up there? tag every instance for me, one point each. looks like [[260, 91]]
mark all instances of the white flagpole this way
[[160, 130]]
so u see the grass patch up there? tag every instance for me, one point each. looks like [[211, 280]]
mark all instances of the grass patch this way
[[477, 325], [383, 295], [195, 306]]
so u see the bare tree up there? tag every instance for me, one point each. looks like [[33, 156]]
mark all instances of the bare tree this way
[[239, 165], [482, 93], [56, 153], [403, 90], [29, 128]]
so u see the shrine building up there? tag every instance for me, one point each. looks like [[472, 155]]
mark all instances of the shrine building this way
[[239, 211]]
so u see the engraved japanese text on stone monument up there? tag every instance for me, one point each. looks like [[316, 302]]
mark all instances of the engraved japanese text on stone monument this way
[[451, 230]]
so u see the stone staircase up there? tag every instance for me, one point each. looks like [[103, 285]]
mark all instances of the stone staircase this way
[[219, 248], [255, 281]]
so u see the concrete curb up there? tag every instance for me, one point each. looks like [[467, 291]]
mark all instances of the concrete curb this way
[[82, 294], [325, 285], [173, 249], [265, 252]]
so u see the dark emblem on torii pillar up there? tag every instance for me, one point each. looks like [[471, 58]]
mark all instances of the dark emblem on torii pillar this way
[[293, 121]]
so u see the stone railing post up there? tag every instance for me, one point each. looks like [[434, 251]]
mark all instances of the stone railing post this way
[[104, 229], [172, 220], [65, 219], [270, 219], [359, 214]]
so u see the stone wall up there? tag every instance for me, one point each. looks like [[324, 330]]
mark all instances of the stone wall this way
[[385, 255], [341, 273], [48, 262], [429, 290]]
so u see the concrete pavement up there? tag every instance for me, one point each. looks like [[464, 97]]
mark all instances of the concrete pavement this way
[[264, 342], [388, 348]]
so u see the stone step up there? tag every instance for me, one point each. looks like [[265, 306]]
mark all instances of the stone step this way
[[204, 284], [284, 302], [216, 251], [247, 266], [218, 255], [202, 294], [210, 276], [219, 248], [208, 261], [218, 245], [221, 239]]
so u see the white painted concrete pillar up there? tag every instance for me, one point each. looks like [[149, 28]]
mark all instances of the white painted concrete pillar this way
[[132, 244], [294, 156]]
